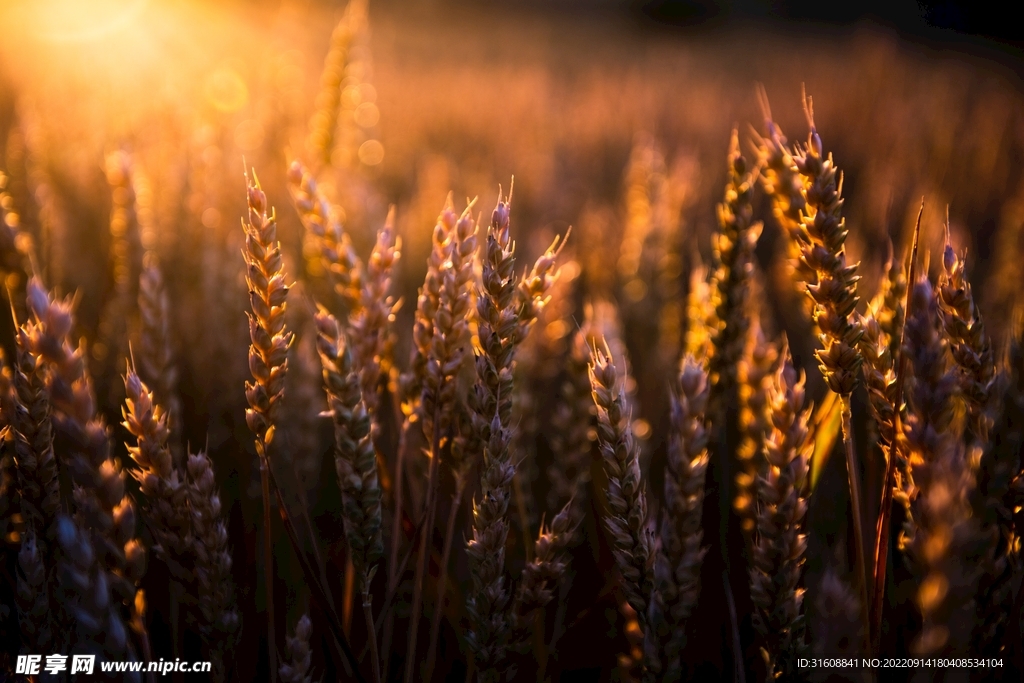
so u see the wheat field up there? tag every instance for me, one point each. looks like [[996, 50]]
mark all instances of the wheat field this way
[[448, 342]]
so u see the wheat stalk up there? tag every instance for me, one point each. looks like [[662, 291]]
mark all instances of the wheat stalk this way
[[338, 257], [268, 359], [300, 655], [498, 327], [572, 421], [373, 338], [942, 529], [448, 346], [834, 293], [969, 343], [754, 375], [779, 548], [627, 502], [680, 555], [411, 384], [154, 353], [838, 627], [38, 492], [355, 462], [159, 480], [997, 494], [209, 546], [104, 514]]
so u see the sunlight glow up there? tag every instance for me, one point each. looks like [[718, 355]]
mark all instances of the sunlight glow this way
[[73, 21]]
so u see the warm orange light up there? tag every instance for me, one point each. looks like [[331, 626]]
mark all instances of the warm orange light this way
[[71, 21]]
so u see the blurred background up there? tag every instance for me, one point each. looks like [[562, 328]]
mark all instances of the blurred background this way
[[614, 117]]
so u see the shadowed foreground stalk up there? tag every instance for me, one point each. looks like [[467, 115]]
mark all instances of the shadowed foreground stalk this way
[[355, 462], [779, 549], [448, 346], [627, 521]]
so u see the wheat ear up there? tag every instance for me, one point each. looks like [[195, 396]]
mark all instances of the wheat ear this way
[[268, 359], [680, 555], [219, 619], [338, 257], [448, 345], [755, 374], [159, 480], [410, 386], [323, 125], [834, 293], [569, 473], [943, 533], [968, 342], [355, 462], [102, 579], [38, 490], [972, 352], [733, 264], [498, 327], [155, 354], [300, 656], [998, 493], [780, 545], [838, 628], [627, 502]]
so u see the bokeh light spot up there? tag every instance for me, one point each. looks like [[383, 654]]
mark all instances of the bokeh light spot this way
[[225, 90], [371, 152], [367, 115]]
